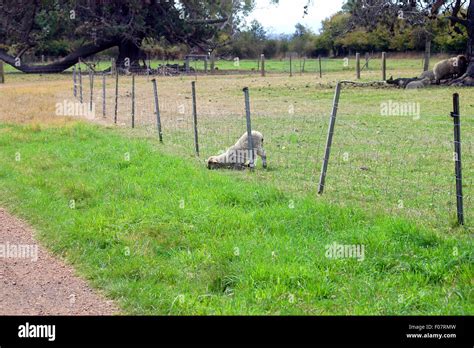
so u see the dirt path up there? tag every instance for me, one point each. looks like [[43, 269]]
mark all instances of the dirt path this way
[[33, 282]]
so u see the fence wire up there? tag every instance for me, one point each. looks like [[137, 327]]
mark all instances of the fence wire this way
[[382, 162]]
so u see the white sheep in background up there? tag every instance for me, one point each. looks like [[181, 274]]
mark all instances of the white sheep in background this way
[[448, 68], [238, 155]]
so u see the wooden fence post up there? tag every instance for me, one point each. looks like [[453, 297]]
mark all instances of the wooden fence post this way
[[320, 70], [113, 66], [2, 72], [74, 81], [384, 66], [213, 63], [133, 101], [91, 82], [358, 66], [291, 65], [116, 95], [103, 94]]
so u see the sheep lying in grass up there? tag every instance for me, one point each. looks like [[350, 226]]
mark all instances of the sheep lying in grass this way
[[429, 74], [449, 68], [418, 84], [238, 155]]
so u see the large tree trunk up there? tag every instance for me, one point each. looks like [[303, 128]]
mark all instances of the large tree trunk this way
[[61, 65], [468, 78], [129, 56]]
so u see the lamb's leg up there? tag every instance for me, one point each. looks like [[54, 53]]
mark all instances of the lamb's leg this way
[[261, 152]]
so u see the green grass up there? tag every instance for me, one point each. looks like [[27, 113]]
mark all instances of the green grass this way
[[328, 65], [163, 235]]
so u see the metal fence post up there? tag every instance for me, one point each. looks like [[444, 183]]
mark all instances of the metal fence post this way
[[157, 110], [457, 158], [133, 101], [116, 95], [332, 123], [262, 59], [249, 128], [196, 139]]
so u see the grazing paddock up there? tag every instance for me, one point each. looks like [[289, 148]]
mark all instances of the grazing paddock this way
[[392, 153], [161, 234]]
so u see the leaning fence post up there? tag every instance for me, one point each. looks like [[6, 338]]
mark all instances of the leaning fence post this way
[[249, 128], [157, 110], [116, 95], [133, 101], [457, 158], [103, 94], [332, 123], [358, 66], [91, 81], [384, 66], [196, 139], [74, 81]]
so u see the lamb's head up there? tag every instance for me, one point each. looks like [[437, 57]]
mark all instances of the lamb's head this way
[[212, 162]]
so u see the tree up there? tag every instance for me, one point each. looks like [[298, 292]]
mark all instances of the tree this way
[[100, 25], [460, 13], [333, 29], [301, 39]]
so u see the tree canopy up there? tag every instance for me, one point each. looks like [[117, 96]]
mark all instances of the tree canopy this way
[[96, 25]]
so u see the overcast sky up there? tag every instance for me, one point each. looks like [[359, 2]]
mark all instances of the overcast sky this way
[[282, 18]]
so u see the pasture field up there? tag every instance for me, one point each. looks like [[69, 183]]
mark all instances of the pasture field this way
[[163, 235], [311, 65]]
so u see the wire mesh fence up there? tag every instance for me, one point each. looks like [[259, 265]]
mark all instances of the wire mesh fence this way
[[392, 156]]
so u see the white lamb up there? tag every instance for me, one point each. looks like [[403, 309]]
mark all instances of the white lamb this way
[[238, 155]]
